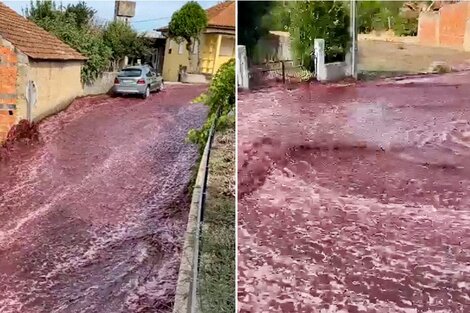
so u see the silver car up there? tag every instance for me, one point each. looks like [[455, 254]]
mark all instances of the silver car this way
[[140, 80]]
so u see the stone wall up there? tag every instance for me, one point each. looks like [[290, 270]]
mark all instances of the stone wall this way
[[8, 73], [101, 85]]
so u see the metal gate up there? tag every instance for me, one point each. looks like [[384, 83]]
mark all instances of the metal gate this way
[[275, 72]]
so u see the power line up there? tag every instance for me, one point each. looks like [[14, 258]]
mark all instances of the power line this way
[[153, 19]]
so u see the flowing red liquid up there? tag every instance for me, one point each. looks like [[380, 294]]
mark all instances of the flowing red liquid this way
[[355, 198]]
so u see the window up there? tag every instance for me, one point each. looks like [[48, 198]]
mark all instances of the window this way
[[227, 47], [181, 48], [130, 72]]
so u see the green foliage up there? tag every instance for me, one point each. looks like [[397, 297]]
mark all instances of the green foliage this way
[[220, 98], [403, 26], [123, 41], [82, 13], [370, 16], [40, 10], [250, 23], [278, 17], [319, 19], [73, 25], [384, 15], [188, 23]]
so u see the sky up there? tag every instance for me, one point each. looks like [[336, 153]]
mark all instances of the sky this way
[[149, 14]]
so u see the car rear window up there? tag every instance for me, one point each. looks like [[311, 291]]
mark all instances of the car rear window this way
[[131, 72]]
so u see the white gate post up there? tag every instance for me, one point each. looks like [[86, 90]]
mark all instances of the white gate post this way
[[319, 49], [242, 70]]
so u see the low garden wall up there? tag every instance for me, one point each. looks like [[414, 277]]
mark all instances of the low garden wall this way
[[101, 85]]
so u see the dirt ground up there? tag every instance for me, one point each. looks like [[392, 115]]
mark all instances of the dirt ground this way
[[355, 198], [217, 286], [392, 58], [93, 216]]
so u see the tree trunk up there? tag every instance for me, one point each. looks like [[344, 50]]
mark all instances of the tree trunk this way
[[198, 54], [189, 44]]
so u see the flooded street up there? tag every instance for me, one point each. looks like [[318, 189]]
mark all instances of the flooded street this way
[[355, 198], [93, 216]]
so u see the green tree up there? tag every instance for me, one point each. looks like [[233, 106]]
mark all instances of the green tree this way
[[40, 10], [319, 19], [187, 24], [220, 98], [385, 15], [82, 13], [278, 17], [250, 23], [124, 41]]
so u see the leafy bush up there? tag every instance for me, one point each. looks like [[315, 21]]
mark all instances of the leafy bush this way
[[319, 19], [220, 98]]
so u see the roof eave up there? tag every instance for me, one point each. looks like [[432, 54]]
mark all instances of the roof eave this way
[[77, 59]]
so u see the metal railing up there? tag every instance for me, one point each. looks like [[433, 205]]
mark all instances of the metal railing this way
[[194, 308], [281, 69]]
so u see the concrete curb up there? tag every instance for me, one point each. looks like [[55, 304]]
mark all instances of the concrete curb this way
[[185, 282]]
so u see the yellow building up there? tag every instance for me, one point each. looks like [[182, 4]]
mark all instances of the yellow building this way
[[217, 44]]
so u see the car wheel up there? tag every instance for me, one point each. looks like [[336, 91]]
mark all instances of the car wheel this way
[[146, 93]]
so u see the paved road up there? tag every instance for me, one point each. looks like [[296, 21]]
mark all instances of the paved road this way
[[356, 198], [93, 217]]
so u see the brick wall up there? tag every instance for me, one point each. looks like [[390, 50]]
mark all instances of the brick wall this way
[[428, 28], [452, 24], [8, 73], [447, 28]]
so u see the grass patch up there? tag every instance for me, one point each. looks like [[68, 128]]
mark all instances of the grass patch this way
[[217, 280]]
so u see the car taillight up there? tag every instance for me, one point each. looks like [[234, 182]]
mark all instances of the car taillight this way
[[141, 82], [116, 81]]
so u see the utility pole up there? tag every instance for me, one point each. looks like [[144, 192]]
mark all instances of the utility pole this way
[[353, 27]]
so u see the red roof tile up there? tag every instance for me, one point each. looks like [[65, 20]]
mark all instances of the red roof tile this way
[[32, 40], [221, 15]]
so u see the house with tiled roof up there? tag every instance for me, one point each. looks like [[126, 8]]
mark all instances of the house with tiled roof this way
[[217, 44], [35, 60]]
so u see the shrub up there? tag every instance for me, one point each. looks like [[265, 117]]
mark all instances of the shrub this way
[[319, 19], [220, 98]]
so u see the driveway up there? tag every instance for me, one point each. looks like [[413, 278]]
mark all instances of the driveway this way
[[93, 216], [355, 198]]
